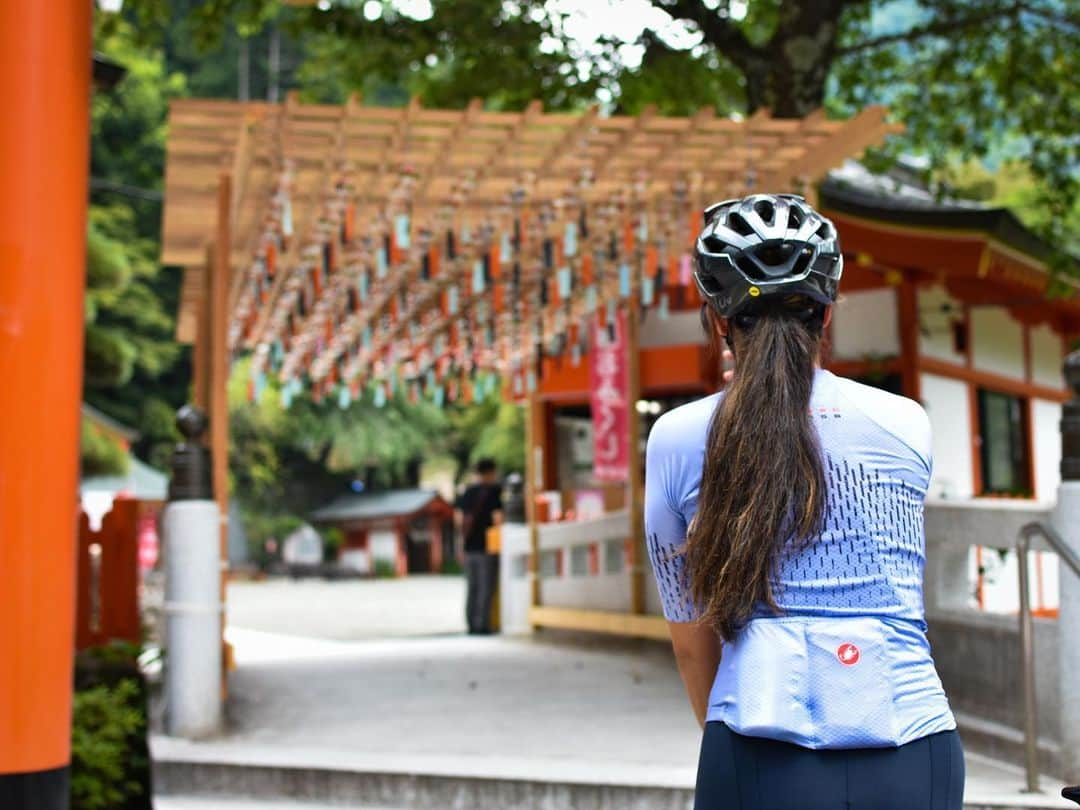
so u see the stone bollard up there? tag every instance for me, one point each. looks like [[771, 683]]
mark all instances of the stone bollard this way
[[191, 528], [1066, 519]]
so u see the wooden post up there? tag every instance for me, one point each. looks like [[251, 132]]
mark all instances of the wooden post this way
[[218, 311], [908, 318], [636, 467], [200, 351], [534, 483]]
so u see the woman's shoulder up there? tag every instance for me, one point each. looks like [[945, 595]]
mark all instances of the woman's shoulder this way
[[686, 425], [903, 417]]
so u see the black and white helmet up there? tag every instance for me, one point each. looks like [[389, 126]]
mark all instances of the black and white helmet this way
[[766, 245]]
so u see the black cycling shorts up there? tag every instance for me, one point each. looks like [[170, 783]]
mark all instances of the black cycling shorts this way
[[736, 772]]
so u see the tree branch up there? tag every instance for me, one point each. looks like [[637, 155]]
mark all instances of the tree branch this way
[[948, 26], [718, 31]]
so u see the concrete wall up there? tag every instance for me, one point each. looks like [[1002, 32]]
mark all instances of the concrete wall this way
[[946, 404], [866, 323], [978, 659], [574, 586], [978, 653]]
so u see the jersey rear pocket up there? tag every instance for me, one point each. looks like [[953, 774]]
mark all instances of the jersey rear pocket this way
[[849, 693]]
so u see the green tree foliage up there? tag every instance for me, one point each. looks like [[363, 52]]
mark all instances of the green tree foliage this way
[[134, 368], [986, 80], [285, 462], [996, 81], [101, 454], [489, 429]]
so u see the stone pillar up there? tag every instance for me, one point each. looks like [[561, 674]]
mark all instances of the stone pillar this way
[[1066, 520], [193, 607]]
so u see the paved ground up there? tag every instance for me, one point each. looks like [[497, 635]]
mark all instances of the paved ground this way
[[550, 707], [538, 701], [350, 610]]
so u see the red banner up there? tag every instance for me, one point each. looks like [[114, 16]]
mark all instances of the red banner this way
[[609, 398]]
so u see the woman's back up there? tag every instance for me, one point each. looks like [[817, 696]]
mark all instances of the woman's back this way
[[845, 663]]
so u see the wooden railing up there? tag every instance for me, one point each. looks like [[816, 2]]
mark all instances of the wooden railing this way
[[107, 601]]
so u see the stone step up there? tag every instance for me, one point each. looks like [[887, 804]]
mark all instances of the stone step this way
[[228, 803], [267, 785]]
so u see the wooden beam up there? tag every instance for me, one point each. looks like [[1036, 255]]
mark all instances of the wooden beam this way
[[219, 366], [612, 152], [987, 379], [238, 171], [908, 319], [600, 621], [636, 468], [570, 140], [446, 149], [534, 483], [201, 349]]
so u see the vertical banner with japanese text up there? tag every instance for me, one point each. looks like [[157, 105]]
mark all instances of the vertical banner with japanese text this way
[[609, 398]]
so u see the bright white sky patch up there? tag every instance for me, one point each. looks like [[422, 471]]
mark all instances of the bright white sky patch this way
[[623, 20], [417, 9]]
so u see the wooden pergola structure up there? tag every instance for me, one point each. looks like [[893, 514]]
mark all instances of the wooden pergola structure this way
[[366, 251]]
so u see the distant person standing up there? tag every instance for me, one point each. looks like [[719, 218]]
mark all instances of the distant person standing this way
[[478, 509]]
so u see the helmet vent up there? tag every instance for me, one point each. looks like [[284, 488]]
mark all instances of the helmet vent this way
[[766, 210], [775, 254], [750, 268], [714, 244], [739, 225], [795, 218], [801, 263], [825, 232]]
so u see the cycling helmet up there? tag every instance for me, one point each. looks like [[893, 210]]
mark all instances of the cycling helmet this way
[[762, 246]]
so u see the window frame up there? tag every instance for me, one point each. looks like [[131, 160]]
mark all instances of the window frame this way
[[1021, 449]]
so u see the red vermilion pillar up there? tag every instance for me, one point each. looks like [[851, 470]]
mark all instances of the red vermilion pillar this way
[[44, 150]]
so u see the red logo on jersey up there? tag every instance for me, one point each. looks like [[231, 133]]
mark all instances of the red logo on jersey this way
[[848, 654]]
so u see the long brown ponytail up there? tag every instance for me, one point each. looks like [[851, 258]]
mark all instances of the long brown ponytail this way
[[762, 483]]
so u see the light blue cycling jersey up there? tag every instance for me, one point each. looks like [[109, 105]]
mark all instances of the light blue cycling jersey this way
[[846, 664]]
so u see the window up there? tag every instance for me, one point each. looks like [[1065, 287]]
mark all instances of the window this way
[[1003, 444], [613, 556]]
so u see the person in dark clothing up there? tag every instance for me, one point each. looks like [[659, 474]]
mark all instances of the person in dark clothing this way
[[479, 508]]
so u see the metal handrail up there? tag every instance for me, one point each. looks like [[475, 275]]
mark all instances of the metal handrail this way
[[1027, 637]]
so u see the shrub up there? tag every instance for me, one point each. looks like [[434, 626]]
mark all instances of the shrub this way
[[385, 569], [105, 721]]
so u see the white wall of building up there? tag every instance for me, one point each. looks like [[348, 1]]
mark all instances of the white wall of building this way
[[383, 545], [937, 313], [356, 559], [1047, 355], [1045, 419], [946, 403], [865, 323], [997, 342]]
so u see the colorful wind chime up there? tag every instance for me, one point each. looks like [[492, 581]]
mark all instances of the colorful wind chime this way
[[452, 307]]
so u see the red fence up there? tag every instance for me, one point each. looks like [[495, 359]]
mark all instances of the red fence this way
[[107, 601]]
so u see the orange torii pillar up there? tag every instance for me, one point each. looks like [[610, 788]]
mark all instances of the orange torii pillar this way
[[44, 152]]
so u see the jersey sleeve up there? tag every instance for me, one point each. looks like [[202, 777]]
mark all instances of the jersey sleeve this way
[[665, 522]]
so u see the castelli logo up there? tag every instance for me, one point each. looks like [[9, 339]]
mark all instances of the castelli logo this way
[[848, 654]]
